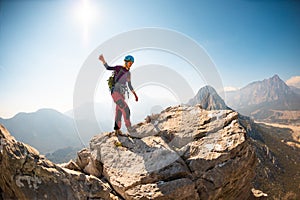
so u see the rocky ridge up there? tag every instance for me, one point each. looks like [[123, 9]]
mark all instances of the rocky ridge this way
[[25, 174], [184, 152]]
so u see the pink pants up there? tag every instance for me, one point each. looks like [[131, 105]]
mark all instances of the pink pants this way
[[121, 109]]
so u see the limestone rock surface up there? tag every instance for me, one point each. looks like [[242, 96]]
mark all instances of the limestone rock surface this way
[[25, 174], [184, 152]]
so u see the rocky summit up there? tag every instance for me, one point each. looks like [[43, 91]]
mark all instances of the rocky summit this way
[[209, 99], [184, 152]]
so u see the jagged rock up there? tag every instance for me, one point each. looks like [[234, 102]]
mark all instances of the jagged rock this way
[[27, 175], [87, 164], [93, 168], [137, 162], [184, 153], [83, 157], [70, 165]]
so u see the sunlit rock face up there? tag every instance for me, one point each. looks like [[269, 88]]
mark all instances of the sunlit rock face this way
[[184, 152]]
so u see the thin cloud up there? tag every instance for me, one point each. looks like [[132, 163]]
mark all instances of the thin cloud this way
[[230, 89], [294, 81]]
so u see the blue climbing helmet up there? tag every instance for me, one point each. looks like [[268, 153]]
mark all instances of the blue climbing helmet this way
[[129, 58]]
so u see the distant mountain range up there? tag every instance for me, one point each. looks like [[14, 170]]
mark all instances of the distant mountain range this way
[[47, 130], [270, 100]]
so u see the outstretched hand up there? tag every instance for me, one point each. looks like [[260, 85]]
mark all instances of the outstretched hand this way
[[101, 58]]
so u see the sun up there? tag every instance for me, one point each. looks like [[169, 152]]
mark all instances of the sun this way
[[85, 14]]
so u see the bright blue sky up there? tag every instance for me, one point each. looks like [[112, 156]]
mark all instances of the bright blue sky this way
[[44, 43]]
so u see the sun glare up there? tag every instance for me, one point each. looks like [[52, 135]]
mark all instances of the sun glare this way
[[85, 15], [85, 12]]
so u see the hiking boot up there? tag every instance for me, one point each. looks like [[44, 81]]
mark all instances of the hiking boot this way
[[118, 132]]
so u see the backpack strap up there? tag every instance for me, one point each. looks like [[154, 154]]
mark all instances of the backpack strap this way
[[118, 75]]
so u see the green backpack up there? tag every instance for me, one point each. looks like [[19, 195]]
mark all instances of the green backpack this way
[[111, 82]]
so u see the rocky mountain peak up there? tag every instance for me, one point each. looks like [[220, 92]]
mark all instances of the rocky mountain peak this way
[[272, 92], [275, 77], [275, 83], [184, 152], [209, 99], [271, 89]]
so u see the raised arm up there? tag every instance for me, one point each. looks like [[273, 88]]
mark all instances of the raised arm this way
[[101, 58]]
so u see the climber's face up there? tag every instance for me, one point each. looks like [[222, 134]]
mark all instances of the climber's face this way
[[128, 64]]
